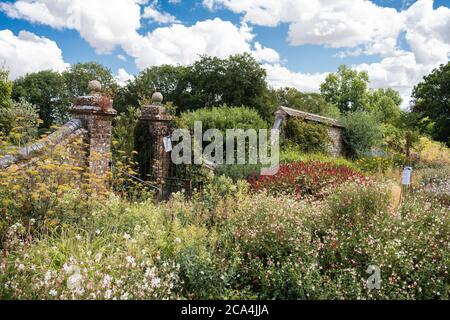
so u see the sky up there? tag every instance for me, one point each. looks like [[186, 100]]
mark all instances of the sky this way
[[298, 42]]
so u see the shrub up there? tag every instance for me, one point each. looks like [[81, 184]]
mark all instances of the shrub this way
[[308, 179], [361, 133], [18, 123], [374, 164], [292, 153], [310, 137], [239, 172], [222, 118]]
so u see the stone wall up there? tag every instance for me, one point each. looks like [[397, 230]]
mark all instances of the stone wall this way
[[337, 143], [334, 127]]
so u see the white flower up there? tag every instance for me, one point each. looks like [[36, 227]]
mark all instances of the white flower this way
[[177, 240], [78, 237], [126, 236], [156, 282], [21, 267], [53, 293], [47, 276], [108, 294], [74, 282], [107, 280], [97, 231], [130, 261], [124, 296]]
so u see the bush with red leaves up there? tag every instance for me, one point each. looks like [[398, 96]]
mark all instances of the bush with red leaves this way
[[305, 180]]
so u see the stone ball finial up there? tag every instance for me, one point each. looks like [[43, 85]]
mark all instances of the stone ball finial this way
[[157, 97], [95, 86]]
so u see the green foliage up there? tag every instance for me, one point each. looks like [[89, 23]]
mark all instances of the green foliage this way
[[374, 164], [292, 153], [5, 89], [432, 102], [223, 118], [347, 89], [238, 80], [18, 123], [171, 81], [210, 81], [385, 104], [239, 172], [308, 102], [311, 137], [48, 92], [361, 133], [78, 76]]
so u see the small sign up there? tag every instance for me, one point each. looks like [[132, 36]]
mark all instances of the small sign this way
[[168, 143], [406, 176]]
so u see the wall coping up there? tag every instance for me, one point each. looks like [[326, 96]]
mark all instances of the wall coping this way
[[39, 146], [283, 111]]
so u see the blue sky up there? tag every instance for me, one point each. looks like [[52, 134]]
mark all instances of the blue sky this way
[[299, 42]]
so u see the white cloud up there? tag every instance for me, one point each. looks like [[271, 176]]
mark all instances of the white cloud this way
[[179, 44], [121, 57], [123, 76], [151, 12], [26, 53], [103, 25], [336, 24], [280, 77], [265, 54]]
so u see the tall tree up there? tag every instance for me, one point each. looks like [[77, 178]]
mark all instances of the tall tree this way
[[48, 92], [238, 80], [432, 102], [347, 89], [5, 89], [77, 78]]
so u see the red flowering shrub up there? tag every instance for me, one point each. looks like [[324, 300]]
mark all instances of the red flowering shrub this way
[[314, 179]]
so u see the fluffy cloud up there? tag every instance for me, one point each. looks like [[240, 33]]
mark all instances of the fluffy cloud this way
[[180, 44], [151, 12], [280, 77], [339, 23], [122, 77], [26, 53], [103, 25]]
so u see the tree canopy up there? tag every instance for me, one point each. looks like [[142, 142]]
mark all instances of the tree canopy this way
[[432, 102], [77, 78], [46, 90], [347, 89]]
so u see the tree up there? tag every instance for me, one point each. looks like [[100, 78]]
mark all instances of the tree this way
[[238, 80], [171, 81], [5, 89], [347, 89], [77, 78], [385, 104], [308, 102], [362, 132], [432, 102], [48, 92]]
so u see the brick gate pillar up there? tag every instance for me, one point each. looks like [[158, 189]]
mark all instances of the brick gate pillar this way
[[158, 123], [96, 113]]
